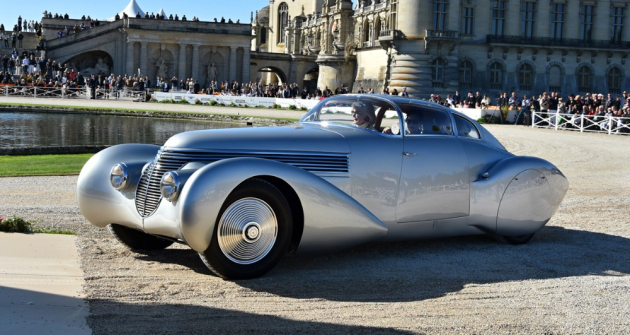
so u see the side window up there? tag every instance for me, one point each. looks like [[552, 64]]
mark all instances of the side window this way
[[426, 121], [465, 128]]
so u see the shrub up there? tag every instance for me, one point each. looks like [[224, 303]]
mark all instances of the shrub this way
[[15, 225], [182, 102], [276, 106], [233, 104], [213, 103], [198, 102], [292, 107], [303, 108]]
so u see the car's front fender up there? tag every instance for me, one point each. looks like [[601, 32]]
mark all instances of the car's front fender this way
[[98, 201], [332, 219]]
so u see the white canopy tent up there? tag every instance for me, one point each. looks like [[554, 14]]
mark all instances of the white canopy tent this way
[[131, 10], [161, 12]]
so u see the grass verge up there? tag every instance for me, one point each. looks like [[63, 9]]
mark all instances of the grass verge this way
[[42, 165], [18, 225]]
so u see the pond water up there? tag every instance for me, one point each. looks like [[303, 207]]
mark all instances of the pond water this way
[[55, 129]]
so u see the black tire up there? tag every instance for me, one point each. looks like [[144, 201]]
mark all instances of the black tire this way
[[516, 240], [137, 240], [253, 201]]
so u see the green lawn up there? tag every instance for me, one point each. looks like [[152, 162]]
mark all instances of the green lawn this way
[[42, 165]]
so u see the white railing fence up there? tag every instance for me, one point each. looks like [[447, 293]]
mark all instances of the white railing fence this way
[[582, 123], [70, 92]]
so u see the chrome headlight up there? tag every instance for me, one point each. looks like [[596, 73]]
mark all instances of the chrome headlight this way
[[169, 186], [118, 176]]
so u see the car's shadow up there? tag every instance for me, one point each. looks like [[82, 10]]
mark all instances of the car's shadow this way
[[418, 270]]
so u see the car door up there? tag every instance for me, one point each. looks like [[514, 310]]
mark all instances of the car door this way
[[434, 181]]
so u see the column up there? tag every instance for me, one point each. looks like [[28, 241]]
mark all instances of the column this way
[[195, 62], [232, 74], [246, 66], [130, 68], [181, 72], [413, 18], [144, 57]]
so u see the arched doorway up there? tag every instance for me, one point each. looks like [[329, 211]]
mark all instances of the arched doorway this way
[[271, 75], [310, 79]]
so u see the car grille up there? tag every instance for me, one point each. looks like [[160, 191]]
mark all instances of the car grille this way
[[148, 194]]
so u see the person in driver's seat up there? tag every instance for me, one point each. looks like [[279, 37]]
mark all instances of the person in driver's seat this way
[[414, 123], [363, 115]]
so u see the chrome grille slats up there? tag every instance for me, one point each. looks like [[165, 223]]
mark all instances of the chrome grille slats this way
[[148, 194]]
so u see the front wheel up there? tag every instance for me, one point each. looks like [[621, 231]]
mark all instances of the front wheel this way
[[252, 233], [137, 240]]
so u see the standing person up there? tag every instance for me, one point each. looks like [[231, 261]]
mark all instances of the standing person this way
[[544, 106], [478, 99], [13, 40], [513, 102], [20, 37], [553, 103], [404, 92], [19, 25], [92, 86], [525, 105], [6, 39], [457, 99], [535, 106]]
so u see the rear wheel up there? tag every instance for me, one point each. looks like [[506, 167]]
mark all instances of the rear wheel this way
[[252, 233], [137, 240]]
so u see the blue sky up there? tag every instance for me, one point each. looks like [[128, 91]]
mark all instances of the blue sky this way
[[206, 10]]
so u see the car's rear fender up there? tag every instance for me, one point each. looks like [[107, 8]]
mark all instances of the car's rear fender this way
[[98, 201], [332, 219], [516, 196]]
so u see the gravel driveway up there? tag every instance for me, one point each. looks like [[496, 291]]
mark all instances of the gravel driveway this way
[[572, 278]]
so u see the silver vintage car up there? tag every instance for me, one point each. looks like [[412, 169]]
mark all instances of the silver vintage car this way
[[355, 169]]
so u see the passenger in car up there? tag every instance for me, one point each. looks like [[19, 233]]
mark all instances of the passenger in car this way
[[363, 115]]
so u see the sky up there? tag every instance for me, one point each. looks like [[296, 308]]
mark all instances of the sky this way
[[206, 10]]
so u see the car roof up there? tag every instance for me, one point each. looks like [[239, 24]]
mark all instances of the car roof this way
[[401, 100]]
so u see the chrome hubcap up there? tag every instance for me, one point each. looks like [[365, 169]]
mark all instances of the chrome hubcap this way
[[247, 231]]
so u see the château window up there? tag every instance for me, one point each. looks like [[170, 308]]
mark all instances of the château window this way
[[555, 79], [616, 24], [525, 74], [557, 20], [439, 14], [498, 17], [437, 72], [613, 79], [527, 19], [465, 74], [283, 21], [467, 21], [584, 78], [587, 19], [496, 76], [263, 35]]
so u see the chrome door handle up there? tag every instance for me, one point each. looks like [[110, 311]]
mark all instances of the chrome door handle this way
[[407, 154]]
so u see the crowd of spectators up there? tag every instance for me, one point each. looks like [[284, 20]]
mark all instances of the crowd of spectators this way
[[595, 108]]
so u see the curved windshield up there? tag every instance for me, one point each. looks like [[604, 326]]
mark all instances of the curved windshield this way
[[358, 111]]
